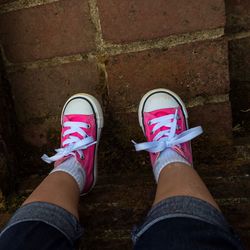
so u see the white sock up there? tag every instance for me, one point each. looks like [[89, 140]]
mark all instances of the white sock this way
[[73, 168], [166, 157]]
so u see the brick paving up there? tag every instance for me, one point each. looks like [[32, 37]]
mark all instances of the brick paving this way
[[127, 21], [117, 51], [45, 31]]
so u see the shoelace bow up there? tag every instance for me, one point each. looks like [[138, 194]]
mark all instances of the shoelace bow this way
[[73, 144], [167, 138]]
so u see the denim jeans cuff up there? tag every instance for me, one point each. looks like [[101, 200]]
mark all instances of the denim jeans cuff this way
[[181, 206], [48, 213]]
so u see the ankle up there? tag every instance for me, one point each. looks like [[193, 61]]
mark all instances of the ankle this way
[[74, 169], [177, 165], [168, 158]]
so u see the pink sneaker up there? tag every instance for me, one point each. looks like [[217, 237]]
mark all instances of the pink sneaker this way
[[82, 122], [164, 121]]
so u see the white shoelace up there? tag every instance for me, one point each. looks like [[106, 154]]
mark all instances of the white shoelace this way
[[74, 144], [167, 138]]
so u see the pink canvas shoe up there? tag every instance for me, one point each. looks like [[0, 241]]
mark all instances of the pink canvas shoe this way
[[164, 121], [82, 122]]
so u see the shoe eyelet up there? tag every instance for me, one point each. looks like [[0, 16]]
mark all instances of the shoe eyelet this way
[[149, 123], [88, 126], [151, 132]]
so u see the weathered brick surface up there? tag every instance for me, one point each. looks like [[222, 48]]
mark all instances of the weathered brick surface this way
[[57, 29], [216, 120], [215, 144], [39, 94], [190, 70], [240, 81], [238, 15], [8, 138], [42, 132], [125, 21], [6, 1], [240, 99], [42, 92], [240, 59]]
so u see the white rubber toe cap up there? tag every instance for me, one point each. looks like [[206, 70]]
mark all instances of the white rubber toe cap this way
[[79, 106], [84, 104], [160, 101]]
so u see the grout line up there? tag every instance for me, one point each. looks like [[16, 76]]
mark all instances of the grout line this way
[[230, 201], [239, 35], [45, 62], [106, 49], [167, 42], [94, 15], [104, 85], [95, 18], [200, 101], [23, 4], [4, 58]]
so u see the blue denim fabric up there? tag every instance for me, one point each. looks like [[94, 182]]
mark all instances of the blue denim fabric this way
[[35, 235], [50, 214], [181, 206], [184, 222], [180, 233]]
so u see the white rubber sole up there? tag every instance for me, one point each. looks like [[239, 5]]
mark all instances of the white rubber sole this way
[[99, 123], [162, 90]]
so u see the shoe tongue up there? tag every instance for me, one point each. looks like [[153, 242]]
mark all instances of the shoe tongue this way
[[162, 112], [70, 118], [75, 118]]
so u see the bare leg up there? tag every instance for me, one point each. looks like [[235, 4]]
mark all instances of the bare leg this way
[[179, 179], [58, 188]]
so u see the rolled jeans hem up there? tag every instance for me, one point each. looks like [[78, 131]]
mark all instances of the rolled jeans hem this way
[[50, 214], [182, 206]]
